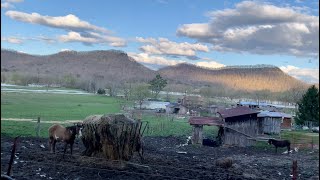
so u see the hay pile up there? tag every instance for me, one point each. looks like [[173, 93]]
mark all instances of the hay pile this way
[[224, 162], [113, 136]]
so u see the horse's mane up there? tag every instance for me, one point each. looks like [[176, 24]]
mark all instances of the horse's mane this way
[[73, 128]]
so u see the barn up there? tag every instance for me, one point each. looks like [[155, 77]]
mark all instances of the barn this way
[[240, 126]]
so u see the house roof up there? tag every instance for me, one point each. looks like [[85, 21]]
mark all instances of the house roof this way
[[210, 121], [273, 114], [172, 105], [264, 104], [238, 111]]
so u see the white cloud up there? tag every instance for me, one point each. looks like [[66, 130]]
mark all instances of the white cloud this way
[[211, 64], [70, 22], [78, 30], [6, 5], [45, 39], [304, 74], [14, 1], [155, 62], [163, 46], [92, 38], [64, 50], [13, 40], [146, 58], [259, 29], [76, 37]]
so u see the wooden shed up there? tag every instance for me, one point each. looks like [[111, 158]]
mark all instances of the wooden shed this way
[[240, 126], [269, 122], [286, 122], [199, 122]]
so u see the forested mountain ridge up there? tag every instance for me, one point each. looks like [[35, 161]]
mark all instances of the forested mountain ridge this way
[[249, 78], [115, 67]]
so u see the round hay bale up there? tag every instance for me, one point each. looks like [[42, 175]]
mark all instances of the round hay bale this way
[[113, 136]]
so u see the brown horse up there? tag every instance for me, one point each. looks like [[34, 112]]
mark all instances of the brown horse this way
[[58, 133]]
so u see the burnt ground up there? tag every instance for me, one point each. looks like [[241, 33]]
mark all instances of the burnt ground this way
[[163, 160]]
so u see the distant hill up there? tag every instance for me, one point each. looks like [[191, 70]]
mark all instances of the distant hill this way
[[249, 78], [101, 66], [116, 67]]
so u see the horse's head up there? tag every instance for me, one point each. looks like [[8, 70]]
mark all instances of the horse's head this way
[[78, 129], [270, 141]]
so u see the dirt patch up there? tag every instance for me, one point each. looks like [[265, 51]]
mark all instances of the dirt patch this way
[[164, 159]]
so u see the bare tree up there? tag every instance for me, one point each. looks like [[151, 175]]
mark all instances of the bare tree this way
[[141, 92]]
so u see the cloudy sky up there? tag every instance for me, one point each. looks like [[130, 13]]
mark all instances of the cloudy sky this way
[[158, 33]]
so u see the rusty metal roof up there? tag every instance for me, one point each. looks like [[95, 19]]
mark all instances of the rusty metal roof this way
[[210, 121], [238, 111]]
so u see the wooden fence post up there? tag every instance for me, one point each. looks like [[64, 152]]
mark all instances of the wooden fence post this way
[[38, 127], [294, 170], [9, 172]]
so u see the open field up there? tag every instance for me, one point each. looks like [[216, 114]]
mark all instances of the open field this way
[[156, 127], [56, 106], [62, 107]]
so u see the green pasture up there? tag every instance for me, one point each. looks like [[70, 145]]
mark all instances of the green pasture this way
[[56, 106], [60, 107], [156, 127]]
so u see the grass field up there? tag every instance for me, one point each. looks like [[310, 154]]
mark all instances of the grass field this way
[[56, 106], [156, 127], [60, 107]]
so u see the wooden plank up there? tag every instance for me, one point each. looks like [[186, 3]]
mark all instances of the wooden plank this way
[[240, 132]]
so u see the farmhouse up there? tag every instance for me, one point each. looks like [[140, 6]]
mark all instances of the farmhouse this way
[[154, 105], [175, 108], [240, 126]]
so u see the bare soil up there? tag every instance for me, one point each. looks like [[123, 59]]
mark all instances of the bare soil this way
[[164, 159]]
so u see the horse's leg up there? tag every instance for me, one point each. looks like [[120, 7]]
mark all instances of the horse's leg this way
[[71, 147], [276, 149], [50, 144], [54, 146], [65, 149]]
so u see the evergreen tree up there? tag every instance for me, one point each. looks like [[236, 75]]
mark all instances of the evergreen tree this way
[[157, 84], [308, 109]]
